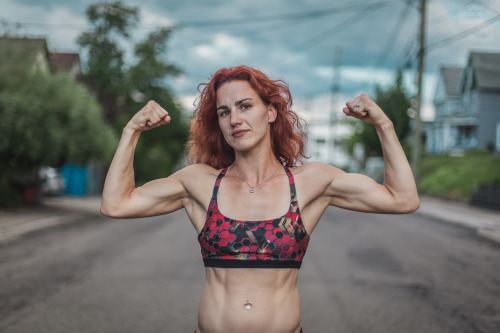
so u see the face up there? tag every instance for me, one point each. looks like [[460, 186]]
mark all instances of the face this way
[[244, 118]]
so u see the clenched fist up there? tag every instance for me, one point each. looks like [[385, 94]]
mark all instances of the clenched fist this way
[[150, 116], [365, 109]]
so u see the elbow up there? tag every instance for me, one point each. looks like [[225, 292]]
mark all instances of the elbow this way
[[108, 211], [417, 202], [414, 205], [105, 211], [410, 205]]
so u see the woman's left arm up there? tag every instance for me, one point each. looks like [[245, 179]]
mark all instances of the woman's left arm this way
[[398, 194]]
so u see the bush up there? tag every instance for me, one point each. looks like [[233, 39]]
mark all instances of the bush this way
[[47, 119], [456, 177]]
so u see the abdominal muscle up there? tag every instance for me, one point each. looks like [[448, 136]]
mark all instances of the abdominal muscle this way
[[271, 292]]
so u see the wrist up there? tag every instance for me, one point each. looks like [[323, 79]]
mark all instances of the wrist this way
[[130, 130], [384, 124]]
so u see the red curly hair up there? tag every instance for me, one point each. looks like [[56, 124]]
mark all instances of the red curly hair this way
[[207, 144]]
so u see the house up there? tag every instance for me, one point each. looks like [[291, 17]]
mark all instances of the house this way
[[66, 62], [440, 133], [467, 107], [480, 91], [35, 51]]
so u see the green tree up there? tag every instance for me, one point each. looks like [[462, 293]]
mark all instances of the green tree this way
[[132, 84], [158, 150], [47, 119], [105, 71], [395, 102]]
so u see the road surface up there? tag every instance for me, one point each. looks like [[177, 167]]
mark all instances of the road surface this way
[[362, 273]]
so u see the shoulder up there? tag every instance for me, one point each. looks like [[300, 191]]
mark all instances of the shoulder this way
[[204, 169], [316, 171], [313, 179], [197, 178], [196, 173]]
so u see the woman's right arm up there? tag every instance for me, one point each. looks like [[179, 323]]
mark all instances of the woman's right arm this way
[[120, 197]]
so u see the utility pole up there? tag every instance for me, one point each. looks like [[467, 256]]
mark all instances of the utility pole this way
[[334, 98], [417, 144]]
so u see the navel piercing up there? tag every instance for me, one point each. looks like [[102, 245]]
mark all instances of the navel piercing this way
[[248, 305]]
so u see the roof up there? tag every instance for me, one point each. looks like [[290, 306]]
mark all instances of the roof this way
[[23, 44], [486, 68], [15, 47], [451, 78], [65, 62]]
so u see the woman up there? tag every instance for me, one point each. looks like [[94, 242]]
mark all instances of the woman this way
[[245, 144]]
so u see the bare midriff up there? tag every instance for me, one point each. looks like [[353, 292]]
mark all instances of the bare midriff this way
[[250, 300]]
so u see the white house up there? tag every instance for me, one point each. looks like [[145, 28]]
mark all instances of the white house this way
[[467, 107]]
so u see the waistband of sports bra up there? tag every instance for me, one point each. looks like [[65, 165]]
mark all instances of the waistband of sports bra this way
[[240, 263]]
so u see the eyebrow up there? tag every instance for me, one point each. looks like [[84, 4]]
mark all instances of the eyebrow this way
[[235, 104]]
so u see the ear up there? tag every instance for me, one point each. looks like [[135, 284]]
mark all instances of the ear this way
[[272, 113]]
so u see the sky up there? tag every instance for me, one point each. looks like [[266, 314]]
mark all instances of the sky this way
[[294, 40]]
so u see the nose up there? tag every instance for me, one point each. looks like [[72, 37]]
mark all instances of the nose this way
[[235, 118]]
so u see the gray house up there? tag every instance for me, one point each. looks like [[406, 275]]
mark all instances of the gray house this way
[[467, 107], [441, 134]]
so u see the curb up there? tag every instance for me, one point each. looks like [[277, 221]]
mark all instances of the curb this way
[[483, 227], [490, 234]]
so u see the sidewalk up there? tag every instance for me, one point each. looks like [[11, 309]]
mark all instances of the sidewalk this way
[[61, 210], [54, 211], [486, 222]]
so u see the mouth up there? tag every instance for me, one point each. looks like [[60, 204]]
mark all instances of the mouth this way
[[238, 133]]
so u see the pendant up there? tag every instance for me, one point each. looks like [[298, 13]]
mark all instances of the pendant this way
[[252, 190]]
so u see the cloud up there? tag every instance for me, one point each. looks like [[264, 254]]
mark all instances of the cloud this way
[[187, 103], [223, 48], [299, 51], [63, 39], [150, 18], [358, 74]]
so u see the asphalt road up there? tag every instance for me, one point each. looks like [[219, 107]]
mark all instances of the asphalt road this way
[[362, 273]]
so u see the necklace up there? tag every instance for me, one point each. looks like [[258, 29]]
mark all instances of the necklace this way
[[254, 186]]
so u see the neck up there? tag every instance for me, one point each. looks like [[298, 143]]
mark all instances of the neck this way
[[254, 170]]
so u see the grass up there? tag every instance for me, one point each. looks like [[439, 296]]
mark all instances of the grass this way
[[456, 177]]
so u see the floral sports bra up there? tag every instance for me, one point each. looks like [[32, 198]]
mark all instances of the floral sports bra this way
[[276, 243]]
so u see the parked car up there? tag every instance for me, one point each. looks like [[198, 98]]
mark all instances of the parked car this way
[[52, 181]]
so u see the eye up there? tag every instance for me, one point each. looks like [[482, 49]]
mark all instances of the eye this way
[[245, 106], [223, 113]]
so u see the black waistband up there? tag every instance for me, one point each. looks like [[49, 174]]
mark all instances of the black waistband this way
[[239, 263]]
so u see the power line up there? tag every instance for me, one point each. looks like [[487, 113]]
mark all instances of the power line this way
[[273, 18], [412, 54], [462, 34], [347, 23], [454, 38], [251, 20], [456, 10], [253, 32], [391, 40]]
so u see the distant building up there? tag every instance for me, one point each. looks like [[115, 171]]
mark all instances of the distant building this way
[[36, 52], [467, 107], [66, 62], [30, 50], [323, 137], [440, 134]]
